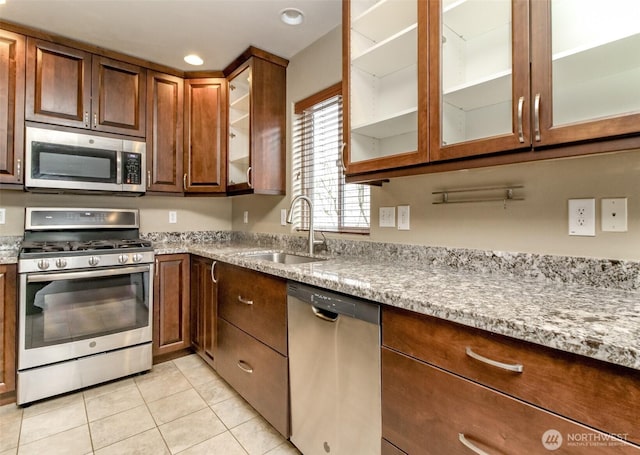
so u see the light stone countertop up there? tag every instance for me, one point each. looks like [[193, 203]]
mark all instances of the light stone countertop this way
[[595, 322], [8, 256]]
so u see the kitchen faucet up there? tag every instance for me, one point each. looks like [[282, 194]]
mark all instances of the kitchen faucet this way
[[312, 239]]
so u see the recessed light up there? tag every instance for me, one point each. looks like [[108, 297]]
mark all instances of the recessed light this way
[[292, 16], [193, 59]]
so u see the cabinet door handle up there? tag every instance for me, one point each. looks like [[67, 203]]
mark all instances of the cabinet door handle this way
[[148, 179], [245, 301], [249, 177], [86, 119], [19, 168], [95, 119], [536, 117], [520, 127], [157, 267], [184, 182], [213, 275], [469, 445], [515, 367], [344, 168], [244, 366]]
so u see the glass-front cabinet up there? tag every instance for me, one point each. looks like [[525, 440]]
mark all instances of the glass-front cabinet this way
[[479, 77], [239, 128], [384, 42], [586, 68]]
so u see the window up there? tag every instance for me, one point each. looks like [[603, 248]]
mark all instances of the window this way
[[318, 169]]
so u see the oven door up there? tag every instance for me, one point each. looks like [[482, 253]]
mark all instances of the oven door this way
[[67, 315]]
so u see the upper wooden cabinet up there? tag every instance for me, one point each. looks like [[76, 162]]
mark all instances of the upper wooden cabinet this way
[[205, 128], [12, 77], [257, 115], [165, 95], [479, 84], [384, 91], [70, 87], [493, 77]]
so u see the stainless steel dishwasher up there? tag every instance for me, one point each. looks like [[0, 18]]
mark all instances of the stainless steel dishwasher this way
[[334, 369]]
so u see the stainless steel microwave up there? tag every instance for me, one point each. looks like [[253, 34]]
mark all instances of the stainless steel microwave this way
[[61, 161]]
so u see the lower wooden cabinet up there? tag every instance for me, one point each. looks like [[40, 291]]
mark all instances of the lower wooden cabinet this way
[[204, 304], [171, 315], [257, 372], [8, 294], [427, 410]]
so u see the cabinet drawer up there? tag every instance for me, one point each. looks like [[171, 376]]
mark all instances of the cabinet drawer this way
[[256, 303], [257, 372], [427, 410], [596, 393]]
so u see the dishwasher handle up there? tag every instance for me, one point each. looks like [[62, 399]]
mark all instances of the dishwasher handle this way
[[325, 315]]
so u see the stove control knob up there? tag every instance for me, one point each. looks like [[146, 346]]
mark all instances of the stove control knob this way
[[123, 259], [137, 257], [61, 263], [94, 260], [43, 264]]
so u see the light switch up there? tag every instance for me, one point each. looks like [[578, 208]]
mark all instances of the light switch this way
[[173, 217], [387, 216], [404, 218]]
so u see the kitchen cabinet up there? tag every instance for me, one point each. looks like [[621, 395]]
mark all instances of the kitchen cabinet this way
[[8, 296], [12, 80], [205, 127], [171, 309], [165, 99], [431, 366], [499, 81], [252, 341], [204, 307], [384, 95], [257, 115], [71, 87]]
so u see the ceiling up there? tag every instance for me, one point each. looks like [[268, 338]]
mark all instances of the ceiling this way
[[164, 31]]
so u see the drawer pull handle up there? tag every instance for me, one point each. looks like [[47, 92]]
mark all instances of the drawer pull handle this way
[[516, 367], [325, 315], [469, 445], [245, 301], [244, 366]]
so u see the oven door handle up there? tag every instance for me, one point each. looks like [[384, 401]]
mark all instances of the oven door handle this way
[[86, 274]]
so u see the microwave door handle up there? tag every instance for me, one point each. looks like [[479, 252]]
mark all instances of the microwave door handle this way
[[42, 277], [119, 167]]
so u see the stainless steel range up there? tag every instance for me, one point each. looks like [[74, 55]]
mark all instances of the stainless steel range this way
[[86, 300]]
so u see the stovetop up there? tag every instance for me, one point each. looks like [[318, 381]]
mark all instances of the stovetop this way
[[44, 247]]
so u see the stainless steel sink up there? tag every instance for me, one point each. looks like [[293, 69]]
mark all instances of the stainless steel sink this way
[[284, 258]]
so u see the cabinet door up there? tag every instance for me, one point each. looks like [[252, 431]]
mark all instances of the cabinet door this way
[[585, 70], [119, 93], [478, 78], [203, 308], [8, 285], [164, 132], [258, 373], [426, 410], [12, 79], [58, 87], [239, 156], [171, 331], [205, 135], [384, 84]]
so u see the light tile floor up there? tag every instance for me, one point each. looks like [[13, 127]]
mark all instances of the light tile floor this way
[[181, 406]]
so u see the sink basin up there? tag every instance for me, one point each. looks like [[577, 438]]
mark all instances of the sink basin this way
[[284, 258]]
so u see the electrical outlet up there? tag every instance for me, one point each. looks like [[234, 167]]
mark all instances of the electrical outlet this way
[[582, 217], [3, 216], [614, 214], [245, 217], [173, 217], [387, 217], [403, 218], [283, 217]]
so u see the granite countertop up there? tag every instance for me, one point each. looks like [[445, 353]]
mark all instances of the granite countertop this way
[[595, 322], [9, 256]]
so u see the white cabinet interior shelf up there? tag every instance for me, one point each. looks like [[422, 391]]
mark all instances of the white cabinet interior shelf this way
[[490, 90], [399, 123], [384, 19], [396, 52], [473, 18], [241, 123], [241, 104]]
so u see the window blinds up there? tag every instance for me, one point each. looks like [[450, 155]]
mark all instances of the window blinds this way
[[317, 172]]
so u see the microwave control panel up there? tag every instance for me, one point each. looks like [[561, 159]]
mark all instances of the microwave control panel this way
[[132, 168]]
